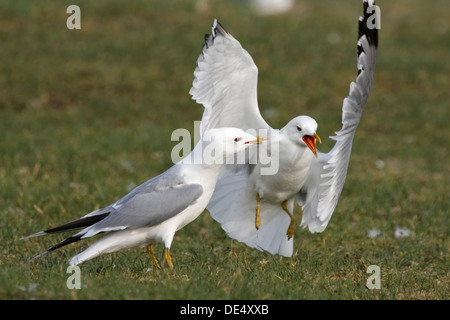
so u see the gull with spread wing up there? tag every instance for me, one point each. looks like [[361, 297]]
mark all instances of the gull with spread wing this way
[[257, 208], [155, 210]]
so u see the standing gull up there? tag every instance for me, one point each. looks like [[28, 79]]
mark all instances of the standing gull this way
[[159, 207], [257, 208]]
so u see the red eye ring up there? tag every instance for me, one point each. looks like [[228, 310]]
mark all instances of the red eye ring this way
[[237, 139]]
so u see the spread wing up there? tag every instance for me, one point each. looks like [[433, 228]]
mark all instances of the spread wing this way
[[225, 82], [320, 195]]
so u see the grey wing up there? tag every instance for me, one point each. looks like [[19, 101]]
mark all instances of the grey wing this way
[[321, 193], [153, 202], [225, 82]]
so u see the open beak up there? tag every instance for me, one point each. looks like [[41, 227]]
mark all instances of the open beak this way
[[311, 142], [258, 140]]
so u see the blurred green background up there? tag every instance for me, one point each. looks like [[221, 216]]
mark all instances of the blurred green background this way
[[86, 115]]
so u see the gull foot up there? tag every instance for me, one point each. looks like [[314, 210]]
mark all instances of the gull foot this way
[[291, 229], [258, 212], [151, 254], [168, 258]]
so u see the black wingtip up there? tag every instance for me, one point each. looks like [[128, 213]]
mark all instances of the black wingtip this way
[[209, 40], [63, 243], [78, 224], [217, 28], [367, 24]]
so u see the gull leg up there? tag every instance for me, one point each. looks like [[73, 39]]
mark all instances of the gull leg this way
[[291, 229], [258, 212], [168, 258], [151, 254]]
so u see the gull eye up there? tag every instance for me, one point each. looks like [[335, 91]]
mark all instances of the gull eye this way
[[299, 129], [237, 139]]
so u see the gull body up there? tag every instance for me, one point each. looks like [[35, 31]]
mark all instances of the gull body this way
[[254, 207], [155, 210], [294, 162]]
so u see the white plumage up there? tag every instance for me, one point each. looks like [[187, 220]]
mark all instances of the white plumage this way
[[226, 84], [155, 210]]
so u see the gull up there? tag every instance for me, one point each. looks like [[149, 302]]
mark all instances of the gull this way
[[254, 207], [155, 210]]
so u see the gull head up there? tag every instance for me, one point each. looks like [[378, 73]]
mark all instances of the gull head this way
[[302, 130], [220, 143]]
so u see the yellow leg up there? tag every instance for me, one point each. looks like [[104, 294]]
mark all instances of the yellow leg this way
[[258, 212], [151, 254], [291, 229], [168, 258]]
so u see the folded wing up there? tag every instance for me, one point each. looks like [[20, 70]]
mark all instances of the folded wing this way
[[149, 204]]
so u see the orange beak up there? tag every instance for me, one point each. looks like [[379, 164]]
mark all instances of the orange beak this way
[[311, 142]]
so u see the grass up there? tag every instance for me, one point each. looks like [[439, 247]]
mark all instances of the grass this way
[[87, 114]]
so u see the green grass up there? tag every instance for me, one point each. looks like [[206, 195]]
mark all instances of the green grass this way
[[87, 114]]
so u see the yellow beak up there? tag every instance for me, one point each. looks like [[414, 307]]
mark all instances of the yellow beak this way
[[258, 140]]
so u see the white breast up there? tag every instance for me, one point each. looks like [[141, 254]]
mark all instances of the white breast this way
[[290, 176]]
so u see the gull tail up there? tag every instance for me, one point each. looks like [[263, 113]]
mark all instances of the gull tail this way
[[233, 205]]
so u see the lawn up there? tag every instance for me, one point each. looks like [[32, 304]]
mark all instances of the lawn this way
[[86, 115]]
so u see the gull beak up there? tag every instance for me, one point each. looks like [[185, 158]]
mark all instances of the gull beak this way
[[258, 140], [311, 142]]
